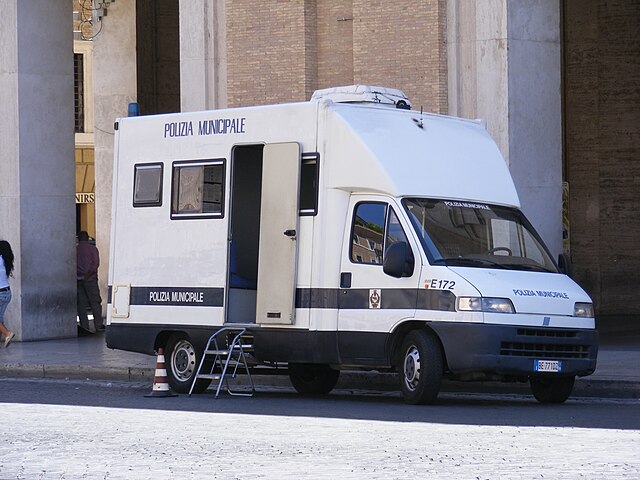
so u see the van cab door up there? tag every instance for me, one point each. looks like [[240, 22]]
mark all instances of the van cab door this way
[[380, 271]]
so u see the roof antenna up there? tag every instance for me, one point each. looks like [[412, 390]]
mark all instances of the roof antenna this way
[[419, 123]]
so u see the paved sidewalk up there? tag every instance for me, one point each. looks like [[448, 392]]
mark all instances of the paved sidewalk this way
[[617, 373]]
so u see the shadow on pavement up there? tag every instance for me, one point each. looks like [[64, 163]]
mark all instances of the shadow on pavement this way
[[451, 408]]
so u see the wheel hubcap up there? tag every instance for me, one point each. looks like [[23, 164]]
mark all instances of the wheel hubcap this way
[[183, 360], [412, 368]]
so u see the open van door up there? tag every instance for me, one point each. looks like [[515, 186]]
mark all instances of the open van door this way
[[275, 302]]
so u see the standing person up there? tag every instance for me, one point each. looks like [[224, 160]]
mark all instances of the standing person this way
[[6, 269], [87, 276]]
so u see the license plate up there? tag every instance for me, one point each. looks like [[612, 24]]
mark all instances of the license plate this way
[[547, 366]]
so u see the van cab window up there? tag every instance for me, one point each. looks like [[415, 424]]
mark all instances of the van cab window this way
[[368, 233], [471, 234], [375, 228], [198, 189]]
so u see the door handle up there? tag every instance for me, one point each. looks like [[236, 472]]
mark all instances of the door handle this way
[[290, 233]]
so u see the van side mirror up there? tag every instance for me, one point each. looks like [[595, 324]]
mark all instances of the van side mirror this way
[[564, 264], [398, 260]]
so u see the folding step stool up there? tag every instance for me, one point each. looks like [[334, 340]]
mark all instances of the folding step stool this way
[[231, 360]]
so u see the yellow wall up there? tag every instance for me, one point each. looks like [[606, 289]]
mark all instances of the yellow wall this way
[[85, 183]]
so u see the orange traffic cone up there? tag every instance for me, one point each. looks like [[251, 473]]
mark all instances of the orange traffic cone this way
[[160, 386]]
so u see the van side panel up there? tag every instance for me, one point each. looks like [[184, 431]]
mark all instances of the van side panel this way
[[175, 267]]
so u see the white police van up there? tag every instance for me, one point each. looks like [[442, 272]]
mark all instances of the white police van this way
[[347, 232]]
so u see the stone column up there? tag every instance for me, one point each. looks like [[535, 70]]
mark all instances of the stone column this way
[[203, 70], [114, 86], [37, 184], [505, 67]]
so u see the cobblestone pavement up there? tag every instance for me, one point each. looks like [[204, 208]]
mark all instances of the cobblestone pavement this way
[[44, 441]]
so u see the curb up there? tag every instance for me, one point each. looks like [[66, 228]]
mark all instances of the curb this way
[[607, 388], [375, 381], [125, 374]]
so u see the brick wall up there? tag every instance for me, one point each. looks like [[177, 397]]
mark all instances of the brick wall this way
[[335, 43], [282, 50], [402, 44], [602, 144], [266, 51]]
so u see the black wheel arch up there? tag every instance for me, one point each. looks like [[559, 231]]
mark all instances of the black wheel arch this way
[[400, 332], [163, 337], [197, 337]]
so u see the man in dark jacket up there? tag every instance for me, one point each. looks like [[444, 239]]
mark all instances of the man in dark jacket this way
[[87, 276]]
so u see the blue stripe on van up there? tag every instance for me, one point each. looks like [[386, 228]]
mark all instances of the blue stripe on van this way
[[390, 298], [319, 298]]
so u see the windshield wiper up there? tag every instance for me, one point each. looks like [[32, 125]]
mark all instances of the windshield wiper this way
[[467, 261], [477, 262], [530, 266]]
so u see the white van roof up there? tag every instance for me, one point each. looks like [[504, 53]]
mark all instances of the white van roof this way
[[407, 153]]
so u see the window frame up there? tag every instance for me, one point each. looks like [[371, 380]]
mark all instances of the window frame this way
[[85, 139], [310, 212], [157, 203], [389, 208], [194, 163], [353, 232]]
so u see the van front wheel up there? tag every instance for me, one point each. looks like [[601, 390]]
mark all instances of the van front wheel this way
[[551, 389], [310, 379], [421, 368]]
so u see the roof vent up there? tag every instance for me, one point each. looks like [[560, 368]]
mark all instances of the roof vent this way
[[391, 97]]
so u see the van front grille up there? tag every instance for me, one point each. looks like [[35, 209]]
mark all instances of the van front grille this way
[[543, 350], [539, 332]]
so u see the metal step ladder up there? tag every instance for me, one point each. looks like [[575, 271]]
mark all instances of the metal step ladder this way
[[229, 359]]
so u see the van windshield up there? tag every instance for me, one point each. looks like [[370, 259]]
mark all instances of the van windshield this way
[[470, 234]]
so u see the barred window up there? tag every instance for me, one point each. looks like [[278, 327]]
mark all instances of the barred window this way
[[78, 91]]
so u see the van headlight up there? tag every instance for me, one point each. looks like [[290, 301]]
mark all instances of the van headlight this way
[[485, 304], [583, 310]]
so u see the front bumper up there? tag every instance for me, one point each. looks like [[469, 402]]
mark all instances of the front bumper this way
[[512, 350]]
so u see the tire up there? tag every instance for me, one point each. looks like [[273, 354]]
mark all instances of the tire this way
[[421, 368], [551, 389], [310, 379], [181, 362]]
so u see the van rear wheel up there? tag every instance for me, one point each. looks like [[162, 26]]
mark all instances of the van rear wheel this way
[[552, 389], [422, 368], [311, 379], [181, 362]]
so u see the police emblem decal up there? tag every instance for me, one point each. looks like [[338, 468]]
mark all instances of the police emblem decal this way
[[374, 298]]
